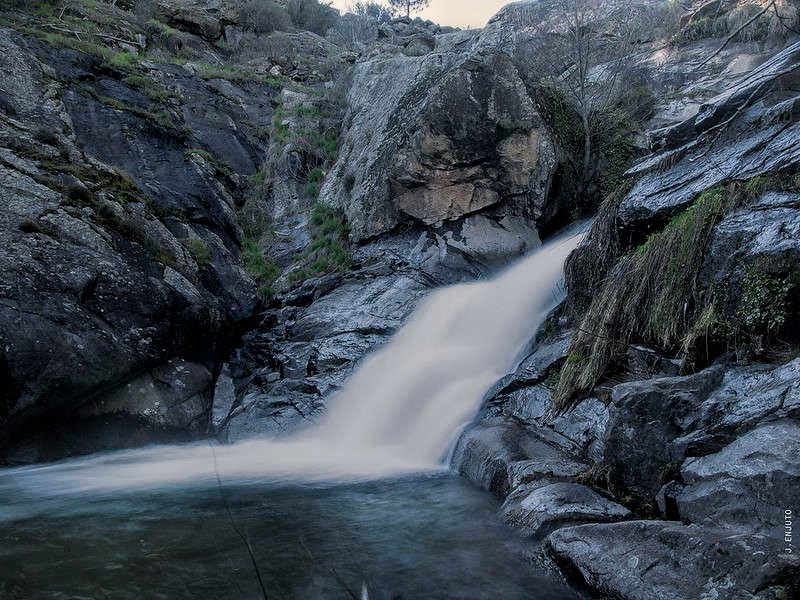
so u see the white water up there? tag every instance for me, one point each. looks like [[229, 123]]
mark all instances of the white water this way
[[400, 412]]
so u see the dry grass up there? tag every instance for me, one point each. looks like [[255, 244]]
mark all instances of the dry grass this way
[[651, 295]]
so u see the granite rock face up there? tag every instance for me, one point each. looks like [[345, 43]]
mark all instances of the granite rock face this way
[[122, 242], [749, 130], [652, 560], [536, 509], [435, 138]]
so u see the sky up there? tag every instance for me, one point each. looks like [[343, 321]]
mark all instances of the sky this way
[[457, 13]]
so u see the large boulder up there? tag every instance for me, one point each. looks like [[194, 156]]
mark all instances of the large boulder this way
[[437, 138], [750, 483], [645, 417], [537, 509], [656, 560]]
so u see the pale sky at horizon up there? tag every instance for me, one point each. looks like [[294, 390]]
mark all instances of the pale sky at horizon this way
[[456, 13]]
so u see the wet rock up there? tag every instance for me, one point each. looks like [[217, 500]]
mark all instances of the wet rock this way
[[175, 395], [313, 349], [750, 482], [121, 244], [765, 233], [747, 397], [656, 560], [224, 397], [547, 467], [644, 363], [497, 453], [585, 427], [644, 418], [744, 133], [539, 509]]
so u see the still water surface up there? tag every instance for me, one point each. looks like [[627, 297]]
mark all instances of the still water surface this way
[[422, 536]]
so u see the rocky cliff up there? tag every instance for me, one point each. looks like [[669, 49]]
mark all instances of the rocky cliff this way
[[211, 216], [670, 401]]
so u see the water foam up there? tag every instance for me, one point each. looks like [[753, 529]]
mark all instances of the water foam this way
[[400, 412]]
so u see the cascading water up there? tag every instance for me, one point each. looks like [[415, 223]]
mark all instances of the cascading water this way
[[400, 412]]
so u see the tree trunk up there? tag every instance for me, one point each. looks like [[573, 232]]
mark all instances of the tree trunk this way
[[586, 174]]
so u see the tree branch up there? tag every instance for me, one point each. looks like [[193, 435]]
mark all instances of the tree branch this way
[[729, 39]]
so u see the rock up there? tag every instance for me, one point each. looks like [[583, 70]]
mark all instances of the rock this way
[[439, 137], [747, 397], [538, 509], [497, 453], [766, 233], [743, 132], [585, 426], [194, 16], [175, 395], [750, 482], [122, 242], [548, 467], [644, 363], [645, 417], [654, 560], [535, 367], [288, 367], [224, 397]]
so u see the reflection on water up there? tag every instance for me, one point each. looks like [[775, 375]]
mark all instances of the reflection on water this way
[[418, 537]]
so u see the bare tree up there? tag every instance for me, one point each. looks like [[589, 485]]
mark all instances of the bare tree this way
[[583, 49], [408, 6]]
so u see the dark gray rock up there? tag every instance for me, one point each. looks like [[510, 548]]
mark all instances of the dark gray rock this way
[[497, 454], [544, 468], [645, 363], [747, 397], [765, 234], [750, 482], [749, 130], [224, 397], [175, 395], [585, 427], [288, 366], [645, 417], [121, 242], [538, 509], [654, 560]]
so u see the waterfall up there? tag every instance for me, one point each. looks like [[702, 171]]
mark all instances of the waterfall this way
[[401, 410]]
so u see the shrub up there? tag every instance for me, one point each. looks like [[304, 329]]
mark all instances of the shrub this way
[[373, 10], [124, 60], [46, 135], [312, 15], [763, 301], [328, 249], [264, 16], [649, 294], [199, 250], [262, 270]]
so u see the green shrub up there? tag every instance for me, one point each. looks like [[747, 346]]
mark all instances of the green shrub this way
[[199, 250], [763, 301], [149, 87], [124, 60], [262, 270]]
